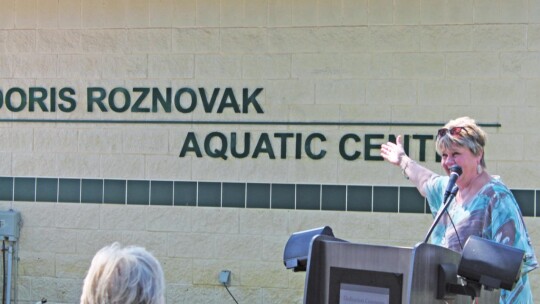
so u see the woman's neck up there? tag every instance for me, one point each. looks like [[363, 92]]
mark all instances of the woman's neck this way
[[472, 187]]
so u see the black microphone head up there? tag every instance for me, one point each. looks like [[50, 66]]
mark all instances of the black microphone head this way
[[456, 169]]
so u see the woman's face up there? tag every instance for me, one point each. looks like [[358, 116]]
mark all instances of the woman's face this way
[[463, 157]]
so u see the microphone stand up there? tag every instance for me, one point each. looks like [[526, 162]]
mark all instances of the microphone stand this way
[[446, 203]]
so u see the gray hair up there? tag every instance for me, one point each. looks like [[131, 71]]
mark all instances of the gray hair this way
[[124, 275], [471, 137]]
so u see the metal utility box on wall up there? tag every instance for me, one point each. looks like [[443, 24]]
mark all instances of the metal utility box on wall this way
[[10, 222]]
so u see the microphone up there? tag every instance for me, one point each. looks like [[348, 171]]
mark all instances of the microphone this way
[[451, 190], [455, 172]]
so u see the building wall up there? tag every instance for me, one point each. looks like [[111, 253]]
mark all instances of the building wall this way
[[372, 69]]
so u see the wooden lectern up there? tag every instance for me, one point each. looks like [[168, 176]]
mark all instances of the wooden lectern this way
[[339, 272]]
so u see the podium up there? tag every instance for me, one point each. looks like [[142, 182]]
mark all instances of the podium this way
[[340, 272]]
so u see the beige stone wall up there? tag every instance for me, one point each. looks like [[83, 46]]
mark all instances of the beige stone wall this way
[[419, 61]]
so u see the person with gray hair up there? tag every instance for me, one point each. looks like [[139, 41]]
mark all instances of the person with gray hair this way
[[124, 275], [482, 206]]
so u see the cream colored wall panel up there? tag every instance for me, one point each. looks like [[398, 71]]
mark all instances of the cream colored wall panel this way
[[119, 217], [472, 65], [447, 12], [502, 147], [137, 14], [330, 13], [290, 91], [501, 11], [37, 264], [100, 140], [534, 11], [149, 40], [5, 163], [500, 37], [531, 142], [263, 222], [206, 271], [279, 13], [72, 266], [243, 40], [192, 245], [363, 173], [177, 270], [293, 40], [79, 66], [402, 229], [171, 66], [34, 164], [31, 66], [341, 92], [160, 13], [163, 219], [253, 13], [216, 169], [56, 290], [3, 42], [105, 41], [77, 216], [47, 14], [185, 13], [127, 66], [373, 113], [380, 12], [392, 92], [35, 215], [273, 247], [170, 167], [196, 40], [278, 295], [342, 39], [266, 170], [216, 220], [218, 66], [498, 92], [90, 241], [104, 14], [313, 171], [275, 275], [145, 140], [446, 38], [78, 165], [40, 240], [519, 174], [361, 227], [309, 66], [155, 242], [8, 14], [357, 66], [444, 92], [304, 13], [122, 166], [266, 66], [17, 139], [533, 36], [26, 14], [239, 247], [394, 38], [55, 140], [419, 65], [208, 13], [21, 41], [520, 120], [69, 14], [407, 11], [520, 64], [355, 12]]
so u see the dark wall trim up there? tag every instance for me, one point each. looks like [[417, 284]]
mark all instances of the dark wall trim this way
[[325, 197]]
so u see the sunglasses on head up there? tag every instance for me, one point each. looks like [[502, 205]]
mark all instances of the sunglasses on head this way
[[453, 131]]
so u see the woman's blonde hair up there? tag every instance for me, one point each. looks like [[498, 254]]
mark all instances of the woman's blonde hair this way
[[470, 135], [124, 275]]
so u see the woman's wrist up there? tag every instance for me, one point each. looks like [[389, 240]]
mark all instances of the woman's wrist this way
[[404, 164]]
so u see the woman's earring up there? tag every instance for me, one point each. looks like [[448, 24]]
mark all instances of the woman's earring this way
[[479, 169]]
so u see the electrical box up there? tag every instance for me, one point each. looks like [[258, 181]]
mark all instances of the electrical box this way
[[10, 224], [225, 277]]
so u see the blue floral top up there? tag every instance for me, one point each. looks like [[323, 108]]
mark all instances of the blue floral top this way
[[493, 214]]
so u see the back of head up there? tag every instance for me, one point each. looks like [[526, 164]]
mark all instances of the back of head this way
[[124, 275]]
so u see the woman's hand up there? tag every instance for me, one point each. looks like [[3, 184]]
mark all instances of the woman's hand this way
[[393, 152]]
